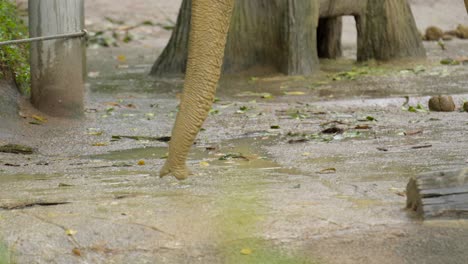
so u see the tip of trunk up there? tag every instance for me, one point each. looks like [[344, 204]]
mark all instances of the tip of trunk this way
[[180, 172]]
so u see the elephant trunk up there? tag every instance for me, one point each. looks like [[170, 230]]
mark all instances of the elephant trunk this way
[[210, 25]]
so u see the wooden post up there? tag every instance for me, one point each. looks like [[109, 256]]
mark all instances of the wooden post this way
[[57, 66]]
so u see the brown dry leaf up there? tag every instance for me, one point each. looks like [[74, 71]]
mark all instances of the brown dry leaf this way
[[115, 104], [76, 252], [362, 127]]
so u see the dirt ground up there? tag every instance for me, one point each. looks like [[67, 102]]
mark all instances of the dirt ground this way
[[268, 187]]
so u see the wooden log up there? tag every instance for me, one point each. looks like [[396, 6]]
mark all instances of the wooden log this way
[[439, 194]]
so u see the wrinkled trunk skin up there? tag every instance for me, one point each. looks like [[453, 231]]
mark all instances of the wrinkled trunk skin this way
[[210, 24]]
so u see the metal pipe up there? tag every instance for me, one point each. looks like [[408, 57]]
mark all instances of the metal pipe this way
[[83, 33]]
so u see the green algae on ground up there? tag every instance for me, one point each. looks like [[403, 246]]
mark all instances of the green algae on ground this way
[[4, 254], [243, 214], [14, 59]]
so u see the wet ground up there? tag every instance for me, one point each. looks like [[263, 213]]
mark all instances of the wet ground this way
[[269, 187]]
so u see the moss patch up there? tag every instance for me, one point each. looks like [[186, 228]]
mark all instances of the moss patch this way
[[14, 58]]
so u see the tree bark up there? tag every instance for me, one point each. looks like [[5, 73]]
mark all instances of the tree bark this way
[[173, 59], [329, 37], [265, 36], [388, 31], [288, 36]]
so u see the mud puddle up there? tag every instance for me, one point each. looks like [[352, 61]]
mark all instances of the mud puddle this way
[[242, 153]]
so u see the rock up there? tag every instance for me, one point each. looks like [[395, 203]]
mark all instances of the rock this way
[[465, 106], [453, 33], [441, 103], [462, 32], [447, 37], [433, 33]]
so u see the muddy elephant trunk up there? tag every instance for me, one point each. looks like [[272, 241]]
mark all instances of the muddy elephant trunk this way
[[210, 24]]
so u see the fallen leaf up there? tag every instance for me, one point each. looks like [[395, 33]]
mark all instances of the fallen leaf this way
[[333, 130], [39, 118], [100, 144], [362, 127], [70, 232], [76, 252], [246, 251], [294, 93], [413, 132], [141, 162], [327, 171], [422, 146], [64, 185], [115, 104], [294, 141], [204, 164], [121, 58], [16, 149]]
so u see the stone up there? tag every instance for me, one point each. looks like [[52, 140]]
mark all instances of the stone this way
[[462, 32], [442, 103], [433, 33]]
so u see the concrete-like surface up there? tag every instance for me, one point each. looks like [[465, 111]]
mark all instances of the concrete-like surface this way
[[83, 198]]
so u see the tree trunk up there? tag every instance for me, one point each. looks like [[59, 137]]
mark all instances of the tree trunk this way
[[388, 31], [288, 36], [173, 59], [265, 36], [329, 37]]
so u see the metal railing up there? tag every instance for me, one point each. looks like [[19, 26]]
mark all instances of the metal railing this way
[[80, 34]]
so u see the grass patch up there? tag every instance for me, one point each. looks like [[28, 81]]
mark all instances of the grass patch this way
[[14, 59]]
